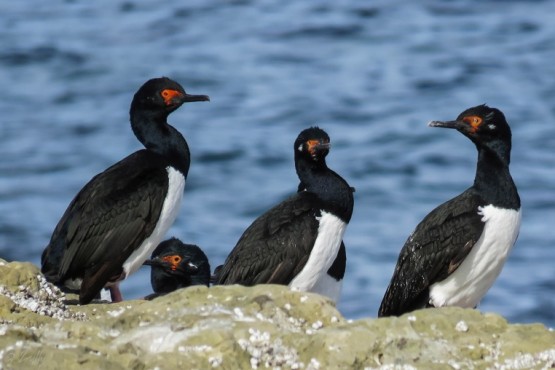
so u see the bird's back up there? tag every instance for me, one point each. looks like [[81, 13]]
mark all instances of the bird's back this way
[[435, 249], [116, 206], [281, 238]]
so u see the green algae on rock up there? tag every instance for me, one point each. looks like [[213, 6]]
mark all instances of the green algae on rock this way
[[266, 326]]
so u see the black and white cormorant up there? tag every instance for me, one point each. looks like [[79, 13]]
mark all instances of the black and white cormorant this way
[[117, 219], [455, 254], [299, 241], [177, 265]]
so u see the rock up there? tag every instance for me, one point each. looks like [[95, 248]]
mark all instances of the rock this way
[[234, 327]]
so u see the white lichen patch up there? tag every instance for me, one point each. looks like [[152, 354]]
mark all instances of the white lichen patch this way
[[116, 313], [314, 364], [238, 313], [3, 329], [194, 349], [267, 353], [215, 361], [66, 346], [392, 367], [155, 338], [114, 333], [543, 360], [317, 325], [461, 326], [48, 301], [296, 321]]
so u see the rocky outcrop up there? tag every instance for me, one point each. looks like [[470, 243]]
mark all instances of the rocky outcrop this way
[[235, 327]]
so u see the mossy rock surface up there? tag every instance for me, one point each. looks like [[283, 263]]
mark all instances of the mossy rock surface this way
[[234, 327]]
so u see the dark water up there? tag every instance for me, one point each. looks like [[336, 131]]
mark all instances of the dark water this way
[[372, 74]]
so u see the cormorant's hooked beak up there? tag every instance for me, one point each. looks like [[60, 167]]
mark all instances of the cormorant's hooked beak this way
[[184, 267], [322, 146], [190, 98], [316, 147], [174, 98], [155, 262], [447, 124]]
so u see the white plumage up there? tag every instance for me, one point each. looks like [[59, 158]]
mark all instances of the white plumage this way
[[170, 209], [466, 286], [313, 277]]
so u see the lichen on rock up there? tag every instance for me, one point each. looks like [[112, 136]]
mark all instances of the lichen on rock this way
[[26, 287], [234, 327]]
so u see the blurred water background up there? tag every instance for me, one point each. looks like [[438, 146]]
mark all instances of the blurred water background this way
[[370, 73]]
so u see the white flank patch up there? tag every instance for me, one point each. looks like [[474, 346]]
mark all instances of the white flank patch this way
[[170, 209], [477, 273], [328, 286], [312, 277]]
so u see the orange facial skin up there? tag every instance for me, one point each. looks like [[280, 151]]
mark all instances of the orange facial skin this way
[[169, 94]]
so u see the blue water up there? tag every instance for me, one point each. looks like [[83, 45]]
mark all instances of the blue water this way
[[372, 74]]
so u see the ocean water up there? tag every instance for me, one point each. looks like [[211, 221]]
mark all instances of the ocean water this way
[[371, 74]]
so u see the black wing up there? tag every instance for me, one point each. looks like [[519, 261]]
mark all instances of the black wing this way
[[434, 250], [275, 248], [106, 221]]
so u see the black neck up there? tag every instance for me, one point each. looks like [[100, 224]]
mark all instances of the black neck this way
[[154, 132], [200, 279], [165, 282], [335, 192], [493, 180]]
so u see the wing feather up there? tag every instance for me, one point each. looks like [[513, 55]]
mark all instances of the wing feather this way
[[435, 249], [108, 218], [276, 245]]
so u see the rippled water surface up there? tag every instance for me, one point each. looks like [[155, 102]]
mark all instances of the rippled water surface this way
[[370, 73]]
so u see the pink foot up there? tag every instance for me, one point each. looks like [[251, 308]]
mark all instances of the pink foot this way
[[115, 293]]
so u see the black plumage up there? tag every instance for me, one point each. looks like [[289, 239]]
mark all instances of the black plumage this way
[[118, 209], [277, 245], [445, 237], [339, 265], [177, 265]]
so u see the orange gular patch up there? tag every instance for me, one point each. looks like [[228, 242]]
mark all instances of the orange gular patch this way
[[173, 260], [474, 121], [169, 94]]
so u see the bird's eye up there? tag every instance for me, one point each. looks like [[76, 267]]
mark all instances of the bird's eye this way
[[176, 259], [474, 121], [165, 93]]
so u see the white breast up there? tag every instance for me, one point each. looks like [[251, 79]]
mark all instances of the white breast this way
[[472, 279], [313, 277], [170, 209]]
